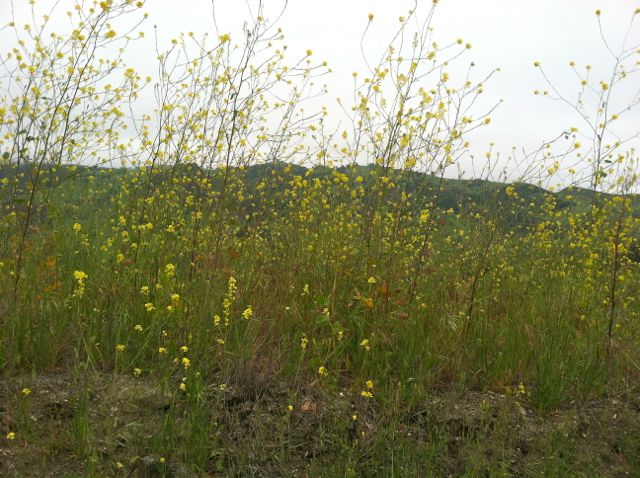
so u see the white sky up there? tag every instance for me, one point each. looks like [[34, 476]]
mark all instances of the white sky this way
[[510, 34]]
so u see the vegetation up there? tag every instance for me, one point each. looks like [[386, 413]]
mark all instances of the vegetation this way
[[222, 287]]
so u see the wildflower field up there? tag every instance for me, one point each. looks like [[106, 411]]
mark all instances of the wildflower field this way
[[226, 285]]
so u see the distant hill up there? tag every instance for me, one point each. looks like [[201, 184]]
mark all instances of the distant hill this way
[[449, 193]]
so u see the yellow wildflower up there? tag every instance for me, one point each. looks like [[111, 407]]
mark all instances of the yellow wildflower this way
[[248, 313], [80, 276]]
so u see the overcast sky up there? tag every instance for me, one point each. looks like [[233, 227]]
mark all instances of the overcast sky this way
[[509, 34]]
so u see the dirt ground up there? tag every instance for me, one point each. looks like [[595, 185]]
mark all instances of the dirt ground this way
[[491, 434]]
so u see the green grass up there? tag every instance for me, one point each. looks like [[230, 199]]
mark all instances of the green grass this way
[[534, 317]]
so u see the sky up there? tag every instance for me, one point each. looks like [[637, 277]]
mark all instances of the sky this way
[[506, 34]]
